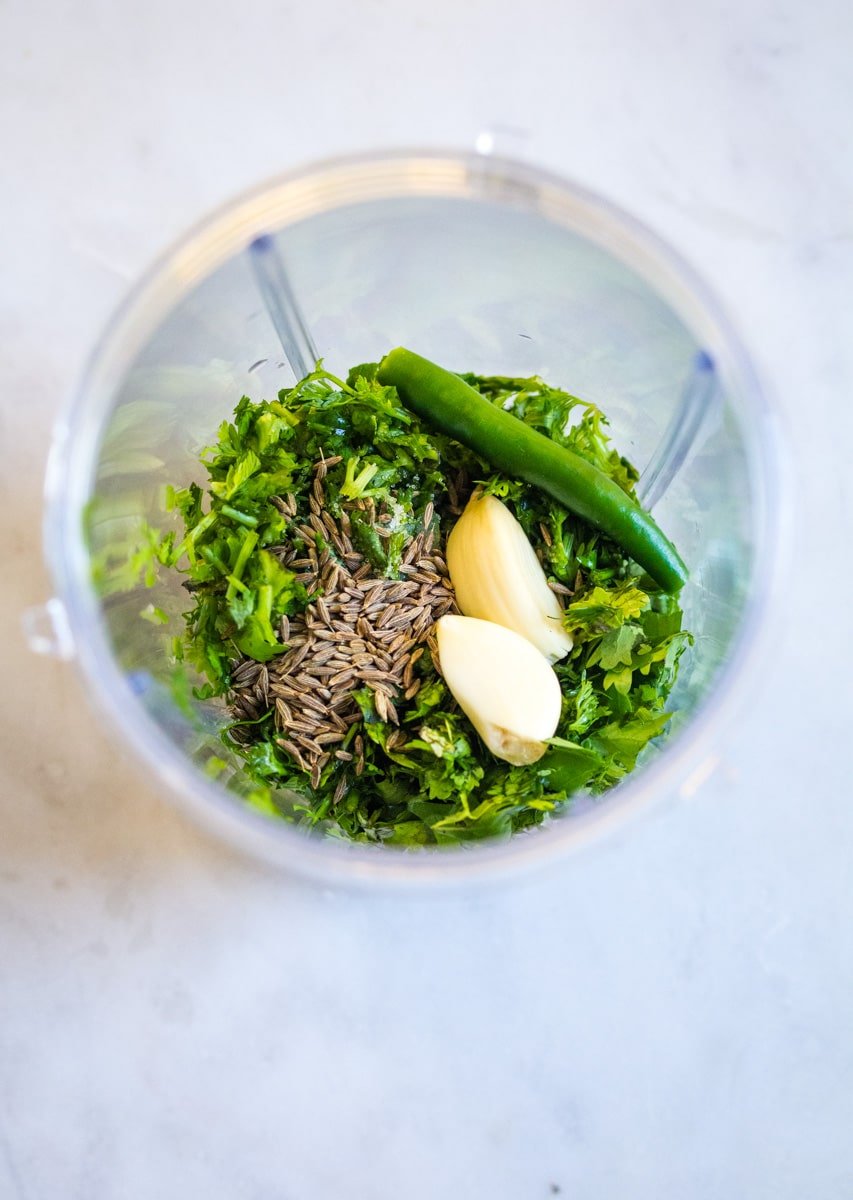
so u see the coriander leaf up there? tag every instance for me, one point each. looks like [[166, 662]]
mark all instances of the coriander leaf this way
[[238, 474], [428, 780], [604, 608], [626, 739], [568, 766], [617, 646], [585, 706]]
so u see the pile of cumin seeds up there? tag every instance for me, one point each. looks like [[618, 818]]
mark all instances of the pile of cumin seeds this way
[[359, 630]]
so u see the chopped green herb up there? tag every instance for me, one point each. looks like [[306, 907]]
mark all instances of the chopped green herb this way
[[329, 487]]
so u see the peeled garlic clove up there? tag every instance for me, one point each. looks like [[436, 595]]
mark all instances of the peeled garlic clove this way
[[497, 576], [506, 689]]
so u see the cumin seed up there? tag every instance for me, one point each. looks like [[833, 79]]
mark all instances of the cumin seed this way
[[326, 739]]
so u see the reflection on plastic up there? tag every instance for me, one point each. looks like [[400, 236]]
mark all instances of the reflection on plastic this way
[[506, 141], [47, 630]]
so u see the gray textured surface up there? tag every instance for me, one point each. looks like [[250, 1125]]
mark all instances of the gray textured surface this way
[[668, 1015]]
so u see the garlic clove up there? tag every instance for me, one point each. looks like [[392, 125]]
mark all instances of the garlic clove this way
[[502, 683], [497, 577]]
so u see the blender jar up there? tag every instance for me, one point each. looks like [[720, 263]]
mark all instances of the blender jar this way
[[483, 265]]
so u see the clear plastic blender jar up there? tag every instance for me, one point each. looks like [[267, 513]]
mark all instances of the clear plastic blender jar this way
[[483, 265]]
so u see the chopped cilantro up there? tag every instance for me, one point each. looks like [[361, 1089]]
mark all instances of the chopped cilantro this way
[[438, 784]]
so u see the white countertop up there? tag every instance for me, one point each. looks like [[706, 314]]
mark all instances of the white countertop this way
[[668, 1015]]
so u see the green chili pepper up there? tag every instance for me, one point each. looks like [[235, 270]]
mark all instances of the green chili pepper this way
[[448, 403]]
